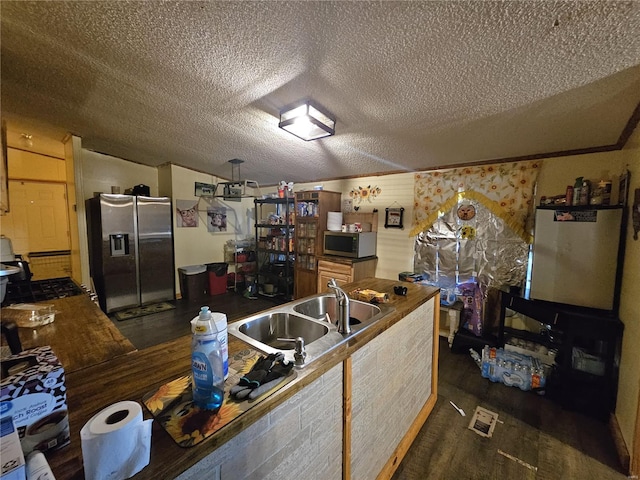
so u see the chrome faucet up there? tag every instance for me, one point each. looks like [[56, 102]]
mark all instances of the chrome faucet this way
[[299, 351], [343, 307]]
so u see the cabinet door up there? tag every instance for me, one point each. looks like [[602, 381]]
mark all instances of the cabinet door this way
[[325, 275], [337, 268]]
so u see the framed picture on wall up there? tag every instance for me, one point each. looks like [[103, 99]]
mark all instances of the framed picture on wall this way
[[186, 213], [393, 218], [205, 189], [216, 219]]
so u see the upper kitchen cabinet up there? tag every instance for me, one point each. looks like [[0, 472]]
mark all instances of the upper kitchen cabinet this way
[[311, 221]]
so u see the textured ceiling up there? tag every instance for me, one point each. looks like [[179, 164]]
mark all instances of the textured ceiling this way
[[414, 85]]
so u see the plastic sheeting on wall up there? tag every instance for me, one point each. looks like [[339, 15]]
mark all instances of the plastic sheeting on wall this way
[[493, 254]]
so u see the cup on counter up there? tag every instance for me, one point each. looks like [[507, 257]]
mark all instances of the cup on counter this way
[[49, 431]]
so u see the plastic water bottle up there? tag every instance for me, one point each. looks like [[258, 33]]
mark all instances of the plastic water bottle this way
[[220, 320], [206, 363]]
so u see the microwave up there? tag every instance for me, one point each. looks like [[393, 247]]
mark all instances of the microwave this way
[[353, 245]]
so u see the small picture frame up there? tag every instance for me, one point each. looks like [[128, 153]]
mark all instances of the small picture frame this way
[[393, 218], [216, 219], [624, 188], [205, 189]]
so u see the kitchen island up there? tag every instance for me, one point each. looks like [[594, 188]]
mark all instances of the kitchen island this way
[[352, 390], [80, 335]]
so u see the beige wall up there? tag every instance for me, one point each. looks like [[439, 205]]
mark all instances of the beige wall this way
[[42, 142], [33, 166], [629, 383], [191, 245], [395, 246], [72, 210], [101, 172], [557, 173], [196, 245]]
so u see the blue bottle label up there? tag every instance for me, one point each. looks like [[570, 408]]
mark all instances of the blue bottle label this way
[[207, 372], [202, 372]]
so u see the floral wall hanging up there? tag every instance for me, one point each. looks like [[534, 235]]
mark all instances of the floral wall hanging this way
[[365, 193], [506, 189]]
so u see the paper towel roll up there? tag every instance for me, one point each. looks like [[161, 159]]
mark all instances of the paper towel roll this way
[[116, 442], [334, 221]]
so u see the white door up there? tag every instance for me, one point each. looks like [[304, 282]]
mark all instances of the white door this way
[[37, 221]]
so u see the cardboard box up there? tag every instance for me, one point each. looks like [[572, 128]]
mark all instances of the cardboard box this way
[[13, 467], [410, 277], [33, 392]]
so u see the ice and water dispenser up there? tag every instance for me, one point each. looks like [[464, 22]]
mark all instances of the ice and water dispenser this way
[[119, 244]]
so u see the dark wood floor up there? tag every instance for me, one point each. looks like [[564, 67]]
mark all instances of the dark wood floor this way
[[160, 327], [537, 438], [534, 439]]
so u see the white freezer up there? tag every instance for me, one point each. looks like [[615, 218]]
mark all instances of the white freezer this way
[[575, 256]]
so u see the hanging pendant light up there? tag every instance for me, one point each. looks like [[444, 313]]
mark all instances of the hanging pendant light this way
[[307, 120]]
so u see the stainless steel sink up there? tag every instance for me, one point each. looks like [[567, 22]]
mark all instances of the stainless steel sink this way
[[319, 306], [306, 318], [271, 328]]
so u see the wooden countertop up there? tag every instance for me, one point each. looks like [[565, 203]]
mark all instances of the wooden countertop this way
[[131, 376], [345, 260], [80, 336]]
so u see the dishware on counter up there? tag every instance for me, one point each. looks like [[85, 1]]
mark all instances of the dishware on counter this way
[[29, 315]]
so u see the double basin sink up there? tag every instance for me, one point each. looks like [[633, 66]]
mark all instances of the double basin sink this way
[[311, 318]]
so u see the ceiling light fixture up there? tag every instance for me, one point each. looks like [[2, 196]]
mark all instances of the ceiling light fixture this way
[[27, 140], [307, 120]]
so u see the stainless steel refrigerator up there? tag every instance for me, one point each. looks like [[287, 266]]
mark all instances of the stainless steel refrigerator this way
[[130, 250], [576, 254]]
